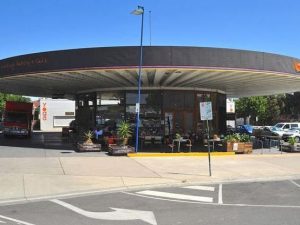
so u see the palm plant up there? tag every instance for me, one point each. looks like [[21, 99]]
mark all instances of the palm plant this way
[[88, 137], [124, 131]]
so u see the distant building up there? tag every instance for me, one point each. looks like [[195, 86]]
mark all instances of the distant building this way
[[56, 113]]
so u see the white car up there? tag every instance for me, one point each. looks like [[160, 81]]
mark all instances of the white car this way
[[294, 132], [282, 128]]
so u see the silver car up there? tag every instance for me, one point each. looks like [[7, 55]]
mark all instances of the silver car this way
[[293, 132]]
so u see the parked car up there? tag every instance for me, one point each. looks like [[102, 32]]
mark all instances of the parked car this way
[[294, 132], [244, 129], [264, 132], [281, 128], [241, 129]]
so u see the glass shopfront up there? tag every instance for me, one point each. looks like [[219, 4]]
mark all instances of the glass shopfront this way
[[163, 114]]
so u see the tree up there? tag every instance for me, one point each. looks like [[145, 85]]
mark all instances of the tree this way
[[273, 110], [251, 107], [292, 102], [267, 109]]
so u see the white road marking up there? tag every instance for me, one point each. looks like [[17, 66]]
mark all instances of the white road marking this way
[[117, 214], [15, 220], [176, 196], [220, 195], [2, 221], [201, 188], [293, 182], [216, 204]]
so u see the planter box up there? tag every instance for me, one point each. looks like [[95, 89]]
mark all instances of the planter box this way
[[120, 150], [239, 147], [229, 147], [290, 148], [86, 147]]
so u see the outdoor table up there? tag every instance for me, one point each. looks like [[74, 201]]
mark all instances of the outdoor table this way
[[213, 141], [179, 141]]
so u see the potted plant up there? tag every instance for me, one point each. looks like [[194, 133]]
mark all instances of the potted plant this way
[[88, 137], [246, 141], [239, 143], [293, 143], [124, 132], [88, 144], [230, 140]]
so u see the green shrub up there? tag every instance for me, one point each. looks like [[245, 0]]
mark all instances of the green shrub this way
[[292, 140], [232, 138], [237, 138], [244, 138], [124, 130]]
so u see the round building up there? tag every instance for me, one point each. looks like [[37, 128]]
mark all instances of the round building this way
[[103, 82]]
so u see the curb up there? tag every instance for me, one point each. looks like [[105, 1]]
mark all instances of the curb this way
[[181, 154], [75, 194]]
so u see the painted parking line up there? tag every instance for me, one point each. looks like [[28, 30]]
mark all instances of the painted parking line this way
[[216, 204], [295, 183], [15, 220], [176, 196], [220, 194], [201, 188]]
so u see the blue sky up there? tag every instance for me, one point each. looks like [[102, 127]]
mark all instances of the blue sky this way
[[29, 26]]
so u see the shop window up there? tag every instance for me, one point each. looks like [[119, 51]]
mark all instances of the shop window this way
[[131, 98], [150, 112], [110, 115], [110, 98]]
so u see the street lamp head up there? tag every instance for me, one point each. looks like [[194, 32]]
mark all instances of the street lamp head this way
[[138, 11]]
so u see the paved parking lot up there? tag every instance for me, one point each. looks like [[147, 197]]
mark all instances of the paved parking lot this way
[[41, 144], [260, 203]]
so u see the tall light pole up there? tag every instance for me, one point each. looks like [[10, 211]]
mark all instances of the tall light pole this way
[[139, 11]]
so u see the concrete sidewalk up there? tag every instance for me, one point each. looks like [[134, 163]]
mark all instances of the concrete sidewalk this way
[[33, 177]]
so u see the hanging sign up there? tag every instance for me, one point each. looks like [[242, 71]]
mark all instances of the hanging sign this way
[[137, 107], [206, 111]]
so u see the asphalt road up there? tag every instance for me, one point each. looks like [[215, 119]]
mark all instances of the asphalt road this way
[[259, 203]]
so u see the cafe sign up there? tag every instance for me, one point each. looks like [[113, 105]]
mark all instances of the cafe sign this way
[[297, 66], [206, 111]]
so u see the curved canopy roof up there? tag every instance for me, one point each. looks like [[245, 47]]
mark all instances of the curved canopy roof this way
[[234, 72]]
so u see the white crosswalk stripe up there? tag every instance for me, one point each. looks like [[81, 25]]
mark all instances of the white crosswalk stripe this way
[[201, 188], [2, 221], [176, 196]]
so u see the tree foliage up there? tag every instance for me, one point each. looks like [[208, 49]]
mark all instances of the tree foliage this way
[[292, 102], [269, 109], [251, 107]]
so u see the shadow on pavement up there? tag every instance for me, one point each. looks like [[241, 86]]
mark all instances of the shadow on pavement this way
[[49, 140]]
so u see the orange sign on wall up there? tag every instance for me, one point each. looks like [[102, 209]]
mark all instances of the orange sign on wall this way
[[44, 111], [297, 66]]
